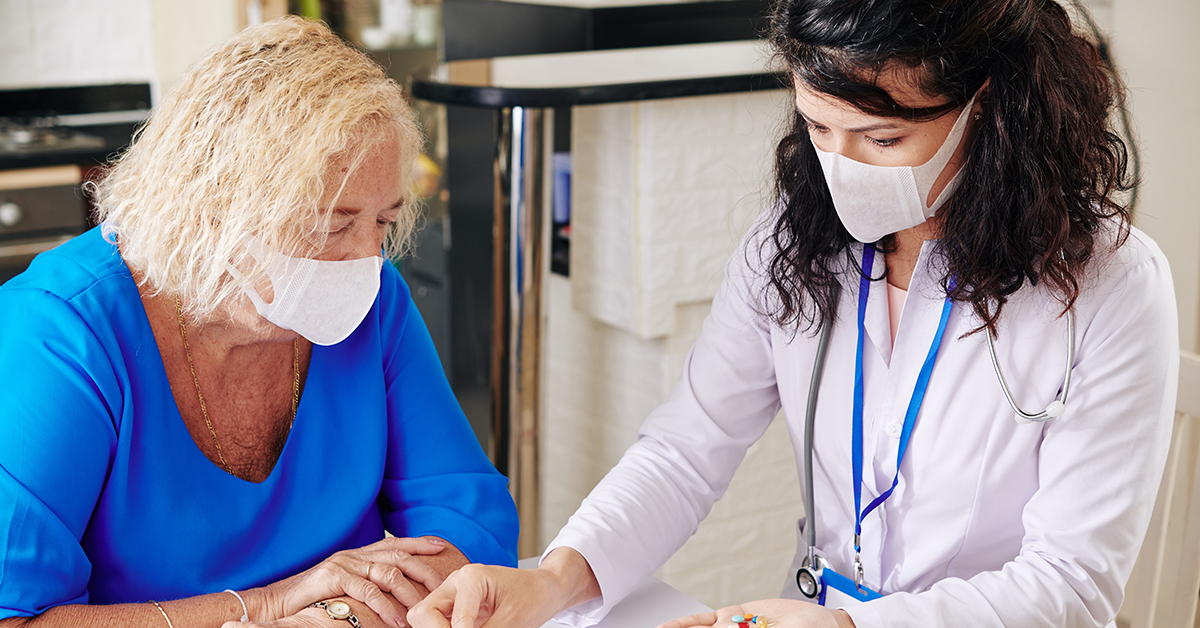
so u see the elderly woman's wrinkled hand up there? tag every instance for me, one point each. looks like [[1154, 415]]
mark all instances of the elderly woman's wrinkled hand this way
[[304, 619], [307, 618], [368, 574]]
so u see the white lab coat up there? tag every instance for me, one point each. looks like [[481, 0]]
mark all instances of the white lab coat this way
[[992, 523]]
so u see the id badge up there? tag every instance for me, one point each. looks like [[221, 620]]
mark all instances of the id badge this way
[[838, 591]]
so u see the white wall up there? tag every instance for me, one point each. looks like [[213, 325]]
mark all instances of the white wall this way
[[1155, 43], [184, 30], [54, 43], [51, 43]]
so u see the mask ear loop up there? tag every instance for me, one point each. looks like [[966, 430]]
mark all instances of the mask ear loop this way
[[926, 174], [254, 248], [250, 290]]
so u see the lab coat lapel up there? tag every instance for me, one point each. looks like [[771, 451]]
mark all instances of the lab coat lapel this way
[[877, 334], [877, 324], [918, 329], [918, 326]]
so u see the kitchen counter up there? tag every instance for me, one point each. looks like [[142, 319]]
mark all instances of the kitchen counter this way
[[116, 138], [111, 112]]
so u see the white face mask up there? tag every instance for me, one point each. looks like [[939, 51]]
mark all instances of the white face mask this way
[[324, 301], [874, 201]]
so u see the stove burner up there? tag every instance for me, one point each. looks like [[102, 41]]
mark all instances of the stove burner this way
[[40, 136]]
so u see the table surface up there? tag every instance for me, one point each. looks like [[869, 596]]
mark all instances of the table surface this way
[[651, 604]]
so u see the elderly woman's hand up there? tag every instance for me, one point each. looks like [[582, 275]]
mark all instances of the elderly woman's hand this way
[[368, 574], [311, 617], [315, 618]]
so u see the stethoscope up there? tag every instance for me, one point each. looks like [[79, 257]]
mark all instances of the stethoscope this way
[[811, 577]]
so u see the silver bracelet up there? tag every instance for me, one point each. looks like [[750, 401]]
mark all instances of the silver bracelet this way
[[245, 617], [164, 614]]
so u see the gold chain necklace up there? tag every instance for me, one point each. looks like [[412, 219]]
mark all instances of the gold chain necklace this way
[[204, 411]]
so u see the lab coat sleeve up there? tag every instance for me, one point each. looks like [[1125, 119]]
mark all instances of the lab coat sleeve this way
[[687, 450], [1099, 466]]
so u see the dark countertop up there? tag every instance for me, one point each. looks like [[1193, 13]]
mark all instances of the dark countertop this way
[[482, 29], [501, 97], [116, 137]]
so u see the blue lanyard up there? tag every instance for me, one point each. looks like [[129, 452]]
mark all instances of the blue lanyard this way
[[910, 416]]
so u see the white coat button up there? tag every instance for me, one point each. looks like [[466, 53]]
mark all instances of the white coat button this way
[[894, 428]]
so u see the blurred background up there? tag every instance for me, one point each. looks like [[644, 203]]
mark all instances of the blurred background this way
[[78, 76]]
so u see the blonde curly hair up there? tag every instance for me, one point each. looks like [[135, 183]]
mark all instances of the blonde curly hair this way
[[246, 144]]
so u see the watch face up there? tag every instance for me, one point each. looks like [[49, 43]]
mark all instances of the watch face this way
[[338, 609]]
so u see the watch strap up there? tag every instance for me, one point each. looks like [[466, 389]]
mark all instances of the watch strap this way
[[325, 607]]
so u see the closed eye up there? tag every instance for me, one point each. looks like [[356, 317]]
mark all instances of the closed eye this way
[[884, 143], [816, 128]]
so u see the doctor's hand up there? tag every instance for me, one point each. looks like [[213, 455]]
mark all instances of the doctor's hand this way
[[485, 596], [780, 613]]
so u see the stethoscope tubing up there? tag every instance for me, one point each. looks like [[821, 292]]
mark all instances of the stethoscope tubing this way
[[810, 413], [1044, 415], [814, 564]]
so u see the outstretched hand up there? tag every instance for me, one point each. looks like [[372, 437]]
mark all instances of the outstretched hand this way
[[779, 613], [483, 596]]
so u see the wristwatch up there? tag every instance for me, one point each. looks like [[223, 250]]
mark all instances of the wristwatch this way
[[338, 609]]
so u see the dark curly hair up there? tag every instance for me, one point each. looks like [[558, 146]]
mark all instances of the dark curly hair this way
[[1043, 170]]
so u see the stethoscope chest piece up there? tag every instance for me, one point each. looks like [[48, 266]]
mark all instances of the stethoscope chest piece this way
[[809, 582], [808, 577]]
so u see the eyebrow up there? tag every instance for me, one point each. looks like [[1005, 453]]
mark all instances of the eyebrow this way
[[351, 211], [861, 129]]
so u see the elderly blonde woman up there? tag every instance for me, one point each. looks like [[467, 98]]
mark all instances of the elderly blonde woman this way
[[215, 403]]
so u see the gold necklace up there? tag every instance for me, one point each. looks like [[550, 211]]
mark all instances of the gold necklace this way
[[204, 411]]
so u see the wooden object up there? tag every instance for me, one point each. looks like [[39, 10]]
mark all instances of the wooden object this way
[[1163, 590]]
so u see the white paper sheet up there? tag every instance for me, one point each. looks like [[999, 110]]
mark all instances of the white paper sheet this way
[[651, 604]]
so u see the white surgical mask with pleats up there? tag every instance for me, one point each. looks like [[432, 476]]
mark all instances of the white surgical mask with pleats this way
[[324, 301], [875, 201]]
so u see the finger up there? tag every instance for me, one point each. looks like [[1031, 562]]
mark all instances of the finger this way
[[699, 619], [370, 594], [390, 570], [392, 580], [467, 598], [411, 544], [434, 610], [422, 616], [412, 567], [458, 599]]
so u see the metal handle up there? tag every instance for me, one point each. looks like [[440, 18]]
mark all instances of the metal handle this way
[[522, 234]]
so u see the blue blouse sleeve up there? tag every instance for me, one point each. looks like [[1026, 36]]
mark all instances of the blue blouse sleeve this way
[[56, 441], [437, 479]]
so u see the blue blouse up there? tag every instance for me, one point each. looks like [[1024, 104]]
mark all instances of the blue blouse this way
[[105, 498]]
